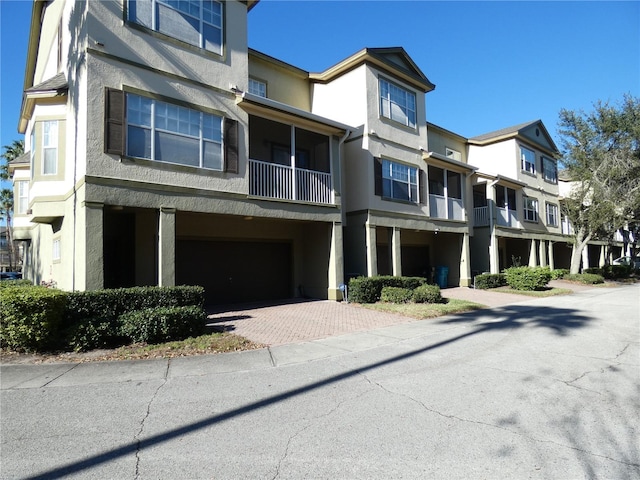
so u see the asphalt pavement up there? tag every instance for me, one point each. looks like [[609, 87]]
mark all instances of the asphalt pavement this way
[[544, 388]]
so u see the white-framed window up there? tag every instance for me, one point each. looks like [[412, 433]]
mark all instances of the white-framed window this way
[[453, 154], [55, 254], [530, 209], [549, 170], [397, 103], [196, 22], [50, 147], [399, 181], [552, 215], [170, 133], [22, 188], [528, 159], [257, 87], [32, 153]]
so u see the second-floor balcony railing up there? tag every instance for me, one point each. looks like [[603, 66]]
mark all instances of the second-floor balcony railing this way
[[441, 207], [481, 216], [507, 218], [282, 182]]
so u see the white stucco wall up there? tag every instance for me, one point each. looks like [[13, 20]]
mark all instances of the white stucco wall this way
[[343, 99], [496, 159]]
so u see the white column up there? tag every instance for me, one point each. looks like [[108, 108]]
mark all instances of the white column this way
[[551, 259], [542, 253], [533, 258], [494, 254], [336, 269], [465, 262], [90, 273], [167, 247], [603, 256], [396, 255], [585, 257], [372, 256]]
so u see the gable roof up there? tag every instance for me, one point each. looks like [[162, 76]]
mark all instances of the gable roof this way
[[522, 131], [394, 60]]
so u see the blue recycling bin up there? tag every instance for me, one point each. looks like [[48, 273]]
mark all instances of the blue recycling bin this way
[[442, 274]]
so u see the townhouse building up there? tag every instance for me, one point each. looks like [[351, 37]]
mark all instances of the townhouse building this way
[[162, 150]]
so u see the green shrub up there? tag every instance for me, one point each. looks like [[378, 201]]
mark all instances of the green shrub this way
[[427, 294], [593, 270], [31, 319], [16, 283], [395, 295], [369, 289], [617, 271], [559, 273], [94, 332], [588, 278], [490, 280], [163, 324], [527, 278]]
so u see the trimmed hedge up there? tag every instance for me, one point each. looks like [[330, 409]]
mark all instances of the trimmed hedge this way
[[588, 278], [490, 280], [395, 295], [559, 273], [31, 319], [427, 294], [369, 289], [611, 271], [16, 283], [163, 324], [527, 278]]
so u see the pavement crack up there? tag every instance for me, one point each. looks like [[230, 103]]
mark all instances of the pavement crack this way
[[146, 415], [63, 373], [273, 361]]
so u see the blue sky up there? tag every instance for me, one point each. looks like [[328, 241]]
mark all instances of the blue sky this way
[[495, 64]]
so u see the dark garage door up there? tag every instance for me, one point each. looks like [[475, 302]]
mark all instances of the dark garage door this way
[[235, 271]]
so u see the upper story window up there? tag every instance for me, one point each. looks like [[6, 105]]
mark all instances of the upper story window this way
[[174, 134], [530, 209], [22, 190], [552, 215], [445, 194], [56, 251], [196, 22], [549, 170], [257, 87], [505, 197], [397, 103], [399, 181], [50, 147], [528, 160], [453, 154]]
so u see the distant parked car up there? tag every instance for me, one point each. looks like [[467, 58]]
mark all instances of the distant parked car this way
[[632, 261], [10, 275]]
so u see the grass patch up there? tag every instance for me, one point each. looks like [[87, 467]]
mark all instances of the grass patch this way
[[203, 345], [426, 310], [550, 292]]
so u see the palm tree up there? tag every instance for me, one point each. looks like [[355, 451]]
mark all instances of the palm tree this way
[[11, 152]]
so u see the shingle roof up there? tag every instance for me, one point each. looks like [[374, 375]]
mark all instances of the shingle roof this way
[[504, 131], [59, 82], [22, 159]]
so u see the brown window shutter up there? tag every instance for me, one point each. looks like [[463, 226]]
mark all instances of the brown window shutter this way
[[230, 145], [377, 171], [422, 183], [114, 135]]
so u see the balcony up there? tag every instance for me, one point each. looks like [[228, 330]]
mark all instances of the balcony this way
[[507, 218], [448, 208], [481, 216], [282, 182]]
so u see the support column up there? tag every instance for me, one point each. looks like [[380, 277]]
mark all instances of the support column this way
[[465, 262], [167, 247], [336, 268], [552, 263], [585, 257], [494, 255], [533, 258], [542, 253], [89, 275], [372, 255], [396, 252], [603, 256]]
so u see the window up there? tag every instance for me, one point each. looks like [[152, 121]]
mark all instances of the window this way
[[55, 254], [399, 181], [197, 22], [528, 158], [453, 154], [549, 170], [505, 197], [552, 215], [50, 147], [22, 188], [530, 209], [257, 87], [397, 103], [170, 133], [32, 152]]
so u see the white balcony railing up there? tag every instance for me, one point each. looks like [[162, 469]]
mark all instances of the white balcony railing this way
[[271, 180], [441, 207], [481, 216], [566, 227], [507, 218]]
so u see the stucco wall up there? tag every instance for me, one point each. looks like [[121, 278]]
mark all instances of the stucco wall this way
[[283, 85]]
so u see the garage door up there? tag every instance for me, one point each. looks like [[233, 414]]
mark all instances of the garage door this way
[[235, 271]]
